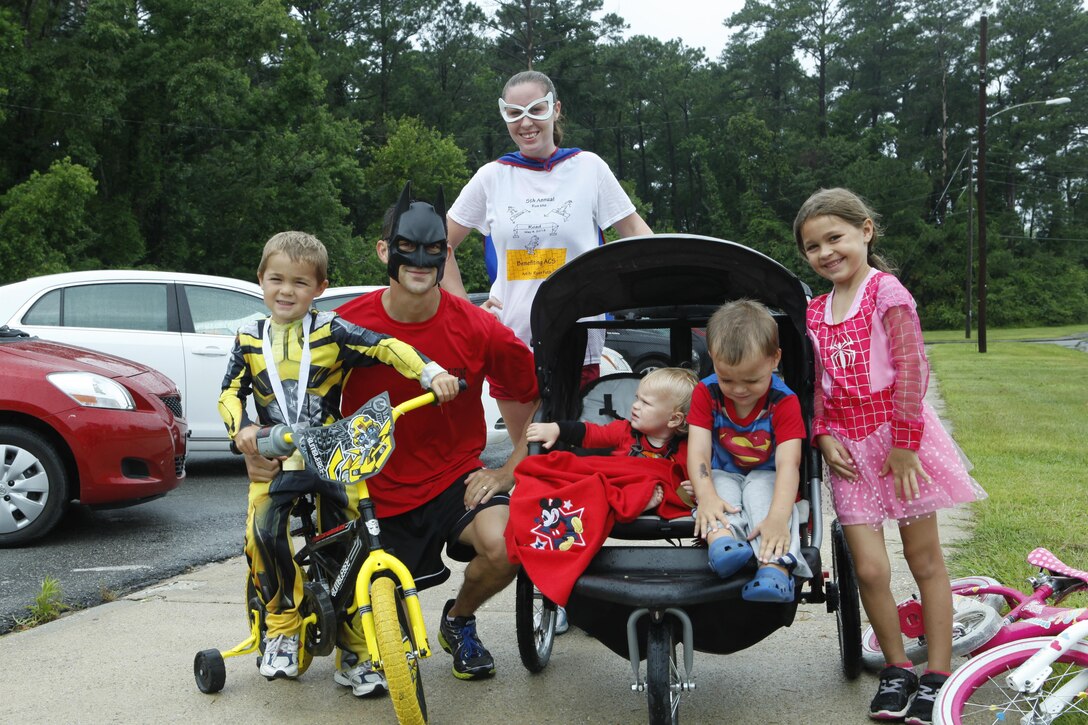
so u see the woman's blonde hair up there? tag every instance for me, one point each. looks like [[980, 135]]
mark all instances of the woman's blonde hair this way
[[849, 207], [535, 76], [675, 384]]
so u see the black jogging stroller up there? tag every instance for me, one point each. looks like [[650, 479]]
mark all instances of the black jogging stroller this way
[[641, 600]]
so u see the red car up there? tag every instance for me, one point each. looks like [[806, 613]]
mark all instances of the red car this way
[[77, 425]]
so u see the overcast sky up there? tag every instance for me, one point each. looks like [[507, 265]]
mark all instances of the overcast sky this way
[[697, 22]]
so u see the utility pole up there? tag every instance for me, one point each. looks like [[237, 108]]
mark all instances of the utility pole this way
[[970, 243], [982, 185]]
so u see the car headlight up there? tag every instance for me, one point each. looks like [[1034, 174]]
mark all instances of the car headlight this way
[[93, 391]]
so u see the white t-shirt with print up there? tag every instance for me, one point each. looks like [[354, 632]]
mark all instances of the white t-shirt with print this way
[[539, 221]]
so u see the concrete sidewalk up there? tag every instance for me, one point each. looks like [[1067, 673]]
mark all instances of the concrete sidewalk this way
[[130, 661]]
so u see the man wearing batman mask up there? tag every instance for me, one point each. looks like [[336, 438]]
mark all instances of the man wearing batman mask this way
[[434, 493]]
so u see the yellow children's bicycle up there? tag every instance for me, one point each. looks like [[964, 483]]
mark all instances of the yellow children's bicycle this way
[[365, 581]]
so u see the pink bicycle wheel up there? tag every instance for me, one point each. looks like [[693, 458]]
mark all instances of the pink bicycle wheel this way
[[977, 691]]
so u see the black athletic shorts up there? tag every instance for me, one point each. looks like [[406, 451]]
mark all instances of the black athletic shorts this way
[[416, 537]]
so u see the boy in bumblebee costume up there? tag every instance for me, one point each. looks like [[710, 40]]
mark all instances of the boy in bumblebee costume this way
[[293, 364]]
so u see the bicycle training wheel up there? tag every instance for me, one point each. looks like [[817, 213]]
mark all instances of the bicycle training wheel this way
[[209, 670], [397, 648], [535, 617], [848, 611], [663, 682], [973, 625], [977, 691]]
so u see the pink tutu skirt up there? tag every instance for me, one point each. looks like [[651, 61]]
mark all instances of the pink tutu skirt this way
[[871, 498]]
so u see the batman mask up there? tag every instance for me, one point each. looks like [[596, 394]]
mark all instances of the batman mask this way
[[421, 225]]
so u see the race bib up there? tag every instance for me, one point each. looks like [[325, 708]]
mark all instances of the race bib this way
[[522, 264]]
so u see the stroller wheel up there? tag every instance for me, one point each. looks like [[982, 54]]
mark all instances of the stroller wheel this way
[[209, 670], [663, 685], [535, 618], [848, 611]]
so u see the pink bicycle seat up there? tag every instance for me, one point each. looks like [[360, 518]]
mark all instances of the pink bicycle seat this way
[[1044, 559]]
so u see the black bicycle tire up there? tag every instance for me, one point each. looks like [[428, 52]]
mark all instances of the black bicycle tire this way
[[848, 612], [535, 637]]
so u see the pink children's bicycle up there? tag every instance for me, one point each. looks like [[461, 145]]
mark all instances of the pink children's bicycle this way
[[1029, 669]]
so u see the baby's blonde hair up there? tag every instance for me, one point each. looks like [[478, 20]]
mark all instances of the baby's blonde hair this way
[[675, 384], [299, 247]]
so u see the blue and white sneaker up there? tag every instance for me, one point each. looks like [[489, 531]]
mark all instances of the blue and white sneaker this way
[[561, 623], [280, 657], [471, 660]]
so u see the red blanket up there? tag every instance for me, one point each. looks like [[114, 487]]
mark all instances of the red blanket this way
[[563, 507]]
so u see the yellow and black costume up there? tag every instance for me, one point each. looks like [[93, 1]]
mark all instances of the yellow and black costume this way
[[335, 347]]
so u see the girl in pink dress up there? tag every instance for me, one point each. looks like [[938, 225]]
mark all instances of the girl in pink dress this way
[[889, 457]]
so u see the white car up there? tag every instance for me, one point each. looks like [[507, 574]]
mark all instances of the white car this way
[[611, 361], [182, 325]]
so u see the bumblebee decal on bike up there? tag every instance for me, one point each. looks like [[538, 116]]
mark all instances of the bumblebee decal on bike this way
[[354, 448]]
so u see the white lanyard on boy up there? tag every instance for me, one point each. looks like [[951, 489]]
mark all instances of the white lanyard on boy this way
[[303, 371]]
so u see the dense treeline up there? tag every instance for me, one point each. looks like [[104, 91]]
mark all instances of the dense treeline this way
[[180, 134]]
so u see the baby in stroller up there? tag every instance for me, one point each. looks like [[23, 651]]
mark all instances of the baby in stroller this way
[[744, 454], [657, 427]]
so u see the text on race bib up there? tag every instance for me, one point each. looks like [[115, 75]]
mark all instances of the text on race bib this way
[[522, 264]]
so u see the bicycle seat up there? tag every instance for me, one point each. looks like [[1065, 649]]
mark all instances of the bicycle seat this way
[[1043, 559]]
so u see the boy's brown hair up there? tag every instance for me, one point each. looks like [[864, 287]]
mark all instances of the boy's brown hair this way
[[299, 247], [677, 384], [741, 330]]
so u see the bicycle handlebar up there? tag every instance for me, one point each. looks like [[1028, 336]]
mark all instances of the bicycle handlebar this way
[[279, 439]]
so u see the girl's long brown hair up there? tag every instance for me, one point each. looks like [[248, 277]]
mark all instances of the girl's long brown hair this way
[[849, 207]]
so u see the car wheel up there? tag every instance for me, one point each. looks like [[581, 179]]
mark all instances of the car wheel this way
[[650, 363], [33, 486]]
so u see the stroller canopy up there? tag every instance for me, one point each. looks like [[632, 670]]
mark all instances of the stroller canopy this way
[[667, 276]]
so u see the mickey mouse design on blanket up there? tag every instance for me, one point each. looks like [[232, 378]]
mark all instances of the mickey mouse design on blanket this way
[[560, 525]]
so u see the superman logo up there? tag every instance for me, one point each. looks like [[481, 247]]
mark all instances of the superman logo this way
[[749, 449]]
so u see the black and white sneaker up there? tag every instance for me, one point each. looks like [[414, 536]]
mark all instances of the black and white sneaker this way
[[894, 693], [362, 678], [921, 708]]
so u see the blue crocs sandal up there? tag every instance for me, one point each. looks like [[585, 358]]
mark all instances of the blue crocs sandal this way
[[728, 555], [769, 585]]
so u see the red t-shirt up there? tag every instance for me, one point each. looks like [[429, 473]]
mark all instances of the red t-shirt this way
[[436, 445]]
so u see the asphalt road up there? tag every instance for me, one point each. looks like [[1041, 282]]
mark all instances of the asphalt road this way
[[100, 555], [97, 555]]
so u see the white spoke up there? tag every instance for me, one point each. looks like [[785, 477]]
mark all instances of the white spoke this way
[[24, 487], [8, 524], [20, 464], [37, 483]]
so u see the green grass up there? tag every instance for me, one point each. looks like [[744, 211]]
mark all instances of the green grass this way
[[47, 606], [1020, 413], [1010, 333]]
